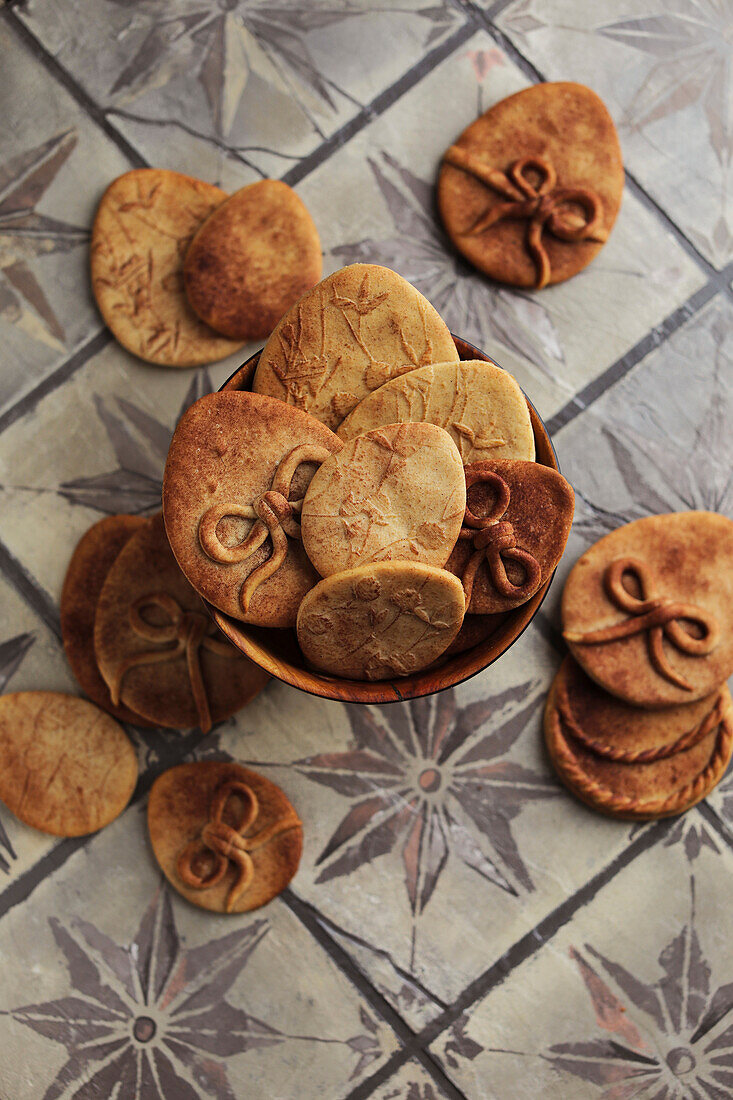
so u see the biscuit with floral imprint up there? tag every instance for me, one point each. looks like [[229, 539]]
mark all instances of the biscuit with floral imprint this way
[[237, 470], [142, 229], [530, 191], [396, 492], [91, 561], [648, 610], [354, 331], [380, 621], [66, 767], [475, 629], [518, 518], [226, 838], [640, 789], [251, 260], [480, 406], [159, 652]]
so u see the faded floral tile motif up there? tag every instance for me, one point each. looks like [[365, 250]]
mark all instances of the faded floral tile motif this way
[[374, 200], [432, 822], [660, 438], [30, 659], [411, 1082], [664, 71], [246, 83], [106, 434], [155, 998], [646, 994], [54, 163]]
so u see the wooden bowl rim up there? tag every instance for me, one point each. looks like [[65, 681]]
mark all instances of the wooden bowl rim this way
[[457, 668]]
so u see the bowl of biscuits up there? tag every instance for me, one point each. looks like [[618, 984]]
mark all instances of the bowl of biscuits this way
[[370, 507]]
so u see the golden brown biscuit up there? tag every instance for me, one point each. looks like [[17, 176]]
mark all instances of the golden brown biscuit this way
[[358, 328], [90, 563], [141, 231], [529, 191], [66, 767], [237, 469], [251, 260], [648, 610], [157, 649], [379, 621], [517, 523], [475, 629], [397, 492], [226, 838], [480, 406], [623, 761]]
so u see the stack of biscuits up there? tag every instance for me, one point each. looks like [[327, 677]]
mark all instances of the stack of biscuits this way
[[370, 490], [639, 720]]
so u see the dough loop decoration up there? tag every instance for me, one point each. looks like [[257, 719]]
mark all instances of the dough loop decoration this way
[[189, 631], [656, 616], [494, 540], [274, 517], [228, 844], [540, 205]]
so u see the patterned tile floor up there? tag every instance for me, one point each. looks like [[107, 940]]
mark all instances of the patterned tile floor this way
[[490, 938]]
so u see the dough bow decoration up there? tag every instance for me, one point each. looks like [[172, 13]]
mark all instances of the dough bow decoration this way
[[189, 631], [541, 205], [656, 616], [274, 515], [494, 541], [228, 844]]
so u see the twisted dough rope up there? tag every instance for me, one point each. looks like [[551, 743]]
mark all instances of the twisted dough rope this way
[[274, 515], [602, 797], [540, 205], [657, 616], [228, 844], [189, 631], [631, 756]]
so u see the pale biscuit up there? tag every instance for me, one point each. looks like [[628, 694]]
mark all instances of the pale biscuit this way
[[66, 767], [477, 403], [143, 226], [396, 492], [251, 260], [380, 621], [357, 329]]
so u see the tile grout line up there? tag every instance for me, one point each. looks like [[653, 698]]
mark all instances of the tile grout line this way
[[63, 77], [654, 339], [30, 590], [717, 823]]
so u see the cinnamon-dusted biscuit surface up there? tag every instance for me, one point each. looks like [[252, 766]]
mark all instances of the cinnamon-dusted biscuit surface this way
[[480, 406], [632, 763], [66, 767], [142, 229], [518, 519], [529, 192], [159, 652], [648, 610], [237, 470], [396, 492], [379, 621], [91, 561], [357, 329], [251, 260], [226, 838]]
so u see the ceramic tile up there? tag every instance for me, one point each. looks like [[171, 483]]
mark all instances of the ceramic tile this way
[[410, 1082], [259, 85], [156, 997], [374, 201], [632, 998], [99, 447], [31, 659], [431, 826], [664, 71], [659, 439], [54, 165]]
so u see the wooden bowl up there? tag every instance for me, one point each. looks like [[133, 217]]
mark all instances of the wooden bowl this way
[[277, 651]]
